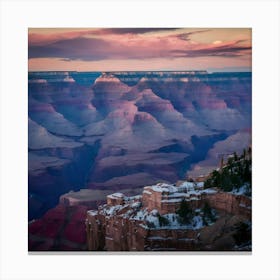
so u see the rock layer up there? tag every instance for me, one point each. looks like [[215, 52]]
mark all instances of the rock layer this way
[[157, 126], [149, 222]]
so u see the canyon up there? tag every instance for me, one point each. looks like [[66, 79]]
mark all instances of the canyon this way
[[150, 221], [120, 131], [212, 213]]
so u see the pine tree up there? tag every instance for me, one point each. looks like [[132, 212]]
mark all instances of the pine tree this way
[[184, 212]]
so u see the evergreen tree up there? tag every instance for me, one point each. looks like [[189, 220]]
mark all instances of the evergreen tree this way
[[207, 213], [236, 173], [185, 212], [163, 221]]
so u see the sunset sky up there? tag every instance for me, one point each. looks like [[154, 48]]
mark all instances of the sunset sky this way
[[136, 49]]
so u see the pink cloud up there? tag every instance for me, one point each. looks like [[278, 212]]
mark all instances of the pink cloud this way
[[46, 38], [39, 39], [131, 44]]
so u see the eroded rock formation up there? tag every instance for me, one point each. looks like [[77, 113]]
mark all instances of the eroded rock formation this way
[[151, 221], [120, 130]]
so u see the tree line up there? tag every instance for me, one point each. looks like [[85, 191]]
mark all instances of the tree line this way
[[236, 173]]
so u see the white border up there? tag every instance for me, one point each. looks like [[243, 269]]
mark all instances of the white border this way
[[17, 16]]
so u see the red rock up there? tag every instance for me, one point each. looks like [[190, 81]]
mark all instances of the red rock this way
[[75, 232], [59, 225]]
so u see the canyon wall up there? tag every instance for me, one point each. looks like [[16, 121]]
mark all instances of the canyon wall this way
[[124, 130], [130, 224], [230, 203]]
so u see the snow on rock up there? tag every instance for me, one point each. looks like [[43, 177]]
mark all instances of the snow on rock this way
[[197, 222], [209, 191], [184, 189], [178, 195], [107, 78], [116, 195], [241, 191], [136, 204], [146, 192], [154, 212], [92, 212], [200, 185], [172, 200], [68, 79], [112, 210], [152, 217], [187, 186], [140, 215], [163, 187]]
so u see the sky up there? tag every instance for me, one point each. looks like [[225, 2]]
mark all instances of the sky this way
[[139, 49]]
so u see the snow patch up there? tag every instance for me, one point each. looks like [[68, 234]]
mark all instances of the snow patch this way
[[241, 191], [92, 212], [209, 191]]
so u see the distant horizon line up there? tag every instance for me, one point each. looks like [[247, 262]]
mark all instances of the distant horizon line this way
[[90, 71]]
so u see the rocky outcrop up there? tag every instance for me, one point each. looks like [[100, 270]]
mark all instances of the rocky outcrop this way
[[151, 221], [85, 197], [230, 203], [60, 229]]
